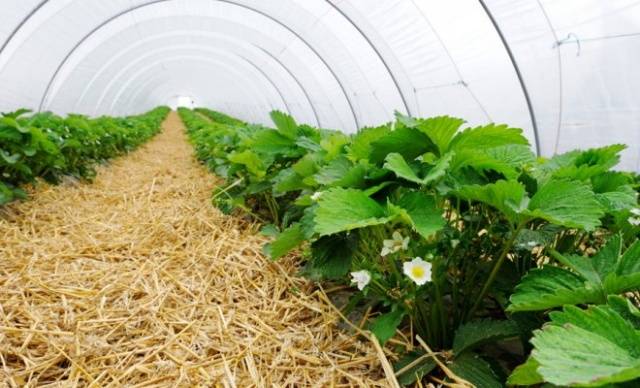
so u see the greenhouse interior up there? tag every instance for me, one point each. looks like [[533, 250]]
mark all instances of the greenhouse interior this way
[[320, 193]]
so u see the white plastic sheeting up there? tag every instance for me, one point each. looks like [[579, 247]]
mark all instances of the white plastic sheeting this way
[[566, 71]]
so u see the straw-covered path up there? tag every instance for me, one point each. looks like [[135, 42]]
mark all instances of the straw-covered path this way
[[137, 280]]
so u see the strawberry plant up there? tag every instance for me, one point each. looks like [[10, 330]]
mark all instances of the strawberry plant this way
[[47, 146], [460, 235]]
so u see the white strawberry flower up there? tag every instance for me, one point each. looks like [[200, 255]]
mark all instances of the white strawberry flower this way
[[635, 211], [418, 270], [361, 278], [635, 221], [394, 245], [316, 196]]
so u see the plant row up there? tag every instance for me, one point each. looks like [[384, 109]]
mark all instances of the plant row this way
[[49, 147], [513, 268]]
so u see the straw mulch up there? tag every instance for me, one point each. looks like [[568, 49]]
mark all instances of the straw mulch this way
[[137, 280]]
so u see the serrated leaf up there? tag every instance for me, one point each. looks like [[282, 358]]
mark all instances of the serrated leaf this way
[[514, 155], [591, 162], [305, 166], [285, 124], [341, 172], [475, 370], [421, 212], [346, 209], [271, 142], [548, 287], [360, 146], [526, 374], [285, 242], [334, 144], [384, 326], [479, 332], [250, 160], [488, 136], [506, 196], [308, 144], [595, 269], [440, 130], [567, 203], [589, 347], [481, 162], [331, 257], [623, 198], [626, 309], [396, 163], [408, 142], [613, 190], [626, 275], [287, 180]]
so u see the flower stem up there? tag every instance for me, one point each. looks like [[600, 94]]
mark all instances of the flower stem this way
[[496, 269]]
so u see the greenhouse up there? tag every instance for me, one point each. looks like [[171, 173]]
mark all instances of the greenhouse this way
[[311, 193]]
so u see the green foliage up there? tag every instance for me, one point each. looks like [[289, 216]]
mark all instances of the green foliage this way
[[581, 280], [48, 147], [341, 210], [583, 347], [460, 235], [384, 326], [475, 333], [286, 241]]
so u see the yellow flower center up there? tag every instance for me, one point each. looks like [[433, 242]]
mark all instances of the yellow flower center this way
[[417, 272]]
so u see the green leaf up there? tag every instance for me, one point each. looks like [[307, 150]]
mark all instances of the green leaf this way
[[360, 146], [10, 159], [308, 143], [613, 190], [514, 155], [507, 196], [589, 347], [408, 142], [305, 166], [331, 257], [286, 181], [272, 142], [341, 172], [595, 269], [346, 209], [269, 230], [285, 123], [286, 241], [440, 130], [384, 326], [609, 272], [334, 144], [489, 136], [475, 370], [396, 163], [250, 160], [626, 276], [626, 309], [417, 372], [481, 161], [480, 332], [548, 287], [567, 203], [591, 162], [420, 211], [623, 198], [526, 374]]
